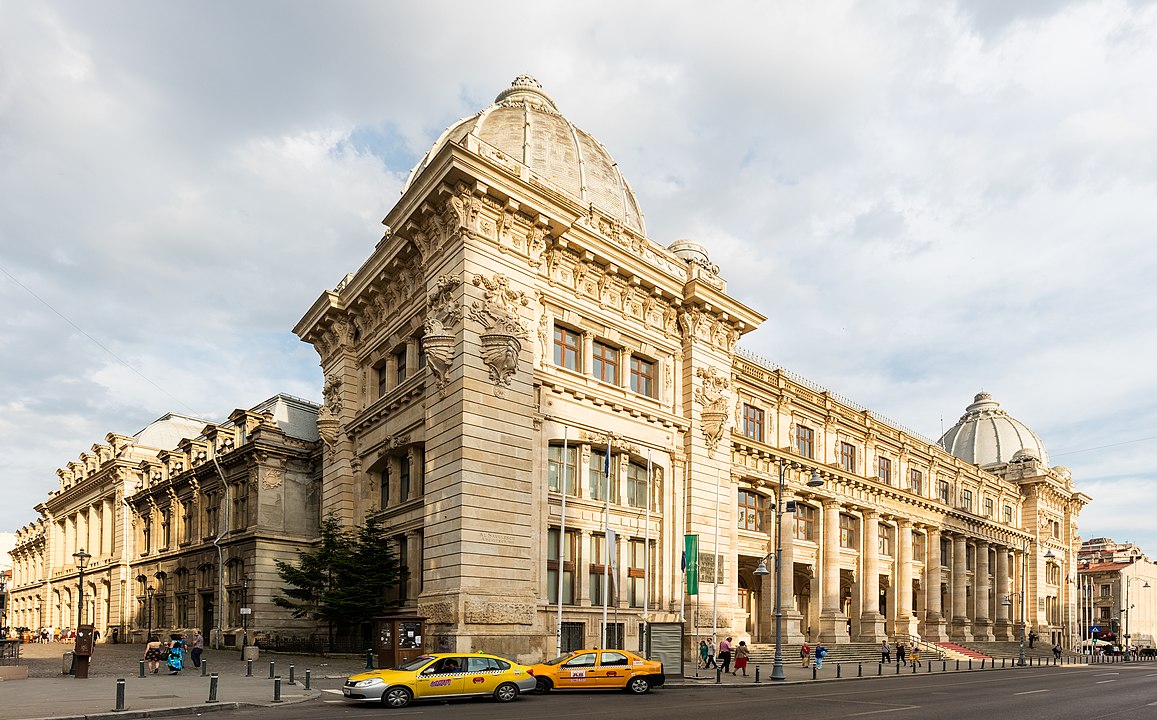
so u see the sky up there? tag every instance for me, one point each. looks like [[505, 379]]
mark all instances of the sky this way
[[925, 199]]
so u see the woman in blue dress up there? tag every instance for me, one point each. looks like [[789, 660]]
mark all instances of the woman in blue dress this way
[[176, 658]]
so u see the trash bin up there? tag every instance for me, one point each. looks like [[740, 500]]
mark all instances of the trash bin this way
[[66, 663]]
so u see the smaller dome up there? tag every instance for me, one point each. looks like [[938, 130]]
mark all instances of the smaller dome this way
[[987, 435], [693, 252]]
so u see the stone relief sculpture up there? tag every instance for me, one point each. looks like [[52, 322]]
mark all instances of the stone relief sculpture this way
[[504, 327], [443, 314], [327, 416], [714, 396]]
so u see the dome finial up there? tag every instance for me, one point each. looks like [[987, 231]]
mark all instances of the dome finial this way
[[525, 89]]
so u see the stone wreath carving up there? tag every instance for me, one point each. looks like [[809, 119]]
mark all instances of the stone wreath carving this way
[[713, 395], [438, 341], [504, 327]]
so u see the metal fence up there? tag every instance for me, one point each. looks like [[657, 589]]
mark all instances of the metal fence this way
[[318, 644]]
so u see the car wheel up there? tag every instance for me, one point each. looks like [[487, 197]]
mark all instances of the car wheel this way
[[397, 697], [639, 685], [543, 685], [506, 692]]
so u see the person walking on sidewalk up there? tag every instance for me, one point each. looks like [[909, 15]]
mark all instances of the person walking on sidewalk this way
[[914, 656], [901, 654], [886, 652], [196, 648], [821, 653], [704, 653], [805, 655], [742, 652], [711, 653], [154, 654], [725, 655]]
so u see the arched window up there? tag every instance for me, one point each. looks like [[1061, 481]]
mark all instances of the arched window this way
[[751, 510]]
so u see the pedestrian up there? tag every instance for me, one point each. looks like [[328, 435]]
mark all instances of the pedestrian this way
[[704, 653], [1057, 651], [901, 654], [711, 653], [742, 652], [886, 652], [155, 652], [197, 647], [725, 655], [1031, 638], [805, 654], [176, 658], [821, 653], [914, 656]]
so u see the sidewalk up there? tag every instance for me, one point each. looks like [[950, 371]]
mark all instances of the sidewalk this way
[[47, 693]]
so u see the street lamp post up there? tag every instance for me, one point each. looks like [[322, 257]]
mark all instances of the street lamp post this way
[[149, 611], [777, 672], [244, 613], [1128, 611], [82, 559]]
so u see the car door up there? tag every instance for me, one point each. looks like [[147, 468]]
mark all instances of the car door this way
[[439, 678], [482, 675], [579, 671], [613, 670]]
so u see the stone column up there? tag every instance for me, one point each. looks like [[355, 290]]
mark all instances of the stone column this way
[[982, 627], [791, 616], [833, 622], [871, 620], [903, 578], [933, 615], [414, 563], [961, 624], [1003, 626]]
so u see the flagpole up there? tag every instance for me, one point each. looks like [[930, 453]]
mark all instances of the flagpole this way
[[561, 541], [715, 566], [606, 536], [647, 552]]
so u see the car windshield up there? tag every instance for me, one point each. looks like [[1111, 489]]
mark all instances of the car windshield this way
[[559, 659], [414, 664]]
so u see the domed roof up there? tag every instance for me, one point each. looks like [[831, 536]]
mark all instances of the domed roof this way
[[987, 435], [525, 125]]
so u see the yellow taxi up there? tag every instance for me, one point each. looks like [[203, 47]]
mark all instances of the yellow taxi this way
[[440, 676], [620, 669]]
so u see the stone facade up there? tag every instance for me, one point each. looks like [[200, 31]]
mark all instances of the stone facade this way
[[152, 510], [515, 325]]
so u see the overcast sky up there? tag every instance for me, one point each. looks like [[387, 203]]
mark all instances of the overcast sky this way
[[925, 199]]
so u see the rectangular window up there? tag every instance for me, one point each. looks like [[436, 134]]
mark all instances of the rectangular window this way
[[966, 500], [384, 487], [1008, 514], [848, 456], [945, 551], [606, 363], [596, 568], [383, 379], [188, 521], [147, 534], [241, 506], [403, 478], [805, 522], [942, 491], [886, 534], [919, 546], [599, 485], [884, 470], [636, 570], [642, 376], [400, 368], [988, 507], [916, 481], [849, 527], [566, 348], [804, 440], [567, 567], [166, 528], [555, 467], [753, 423], [637, 485], [969, 557], [1106, 591], [751, 511]]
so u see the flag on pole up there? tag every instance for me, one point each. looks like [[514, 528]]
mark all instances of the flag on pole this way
[[691, 563]]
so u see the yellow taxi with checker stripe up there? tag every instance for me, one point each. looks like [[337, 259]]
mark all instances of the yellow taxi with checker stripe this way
[[621, 669], [440, 676]]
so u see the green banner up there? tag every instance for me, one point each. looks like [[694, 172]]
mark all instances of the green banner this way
[[691, 563]]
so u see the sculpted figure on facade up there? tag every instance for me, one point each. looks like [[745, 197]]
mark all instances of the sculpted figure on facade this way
[[713, 394], [498, 313], [327, 415], [444, 313]]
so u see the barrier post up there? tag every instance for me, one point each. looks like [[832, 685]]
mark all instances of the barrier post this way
[[277, 689], [212, 688], [120, 695]]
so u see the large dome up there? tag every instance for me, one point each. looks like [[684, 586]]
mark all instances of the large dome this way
[[524, 124], [987, 435]]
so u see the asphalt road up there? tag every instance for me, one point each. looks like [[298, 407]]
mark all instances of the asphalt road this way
[[1061, 693]]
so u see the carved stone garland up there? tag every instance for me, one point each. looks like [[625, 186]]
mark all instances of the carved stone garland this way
[[504, 327]]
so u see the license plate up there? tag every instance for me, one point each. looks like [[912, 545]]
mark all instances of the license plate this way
[[346, 691]]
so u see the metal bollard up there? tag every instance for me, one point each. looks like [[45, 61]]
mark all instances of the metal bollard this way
[[756, 673], [369, 658], [969, 663], [277, 689], [271, 664], [204, 668], [859, 669], [212, 688], [1002, 663], [897, 667], [929, 666], [813, 672], [879, 669], [142, 662], [248, 668], [838, 667], [307, 676], [957, 663], [718, 674], [120, 695], [291, 680]]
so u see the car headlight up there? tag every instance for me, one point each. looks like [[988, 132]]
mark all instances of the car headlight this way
[[368, 683]]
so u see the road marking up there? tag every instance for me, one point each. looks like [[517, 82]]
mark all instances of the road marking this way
[[1030, 692], [1102, 682], [1106, 674], [335, 692], [890, 709]]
